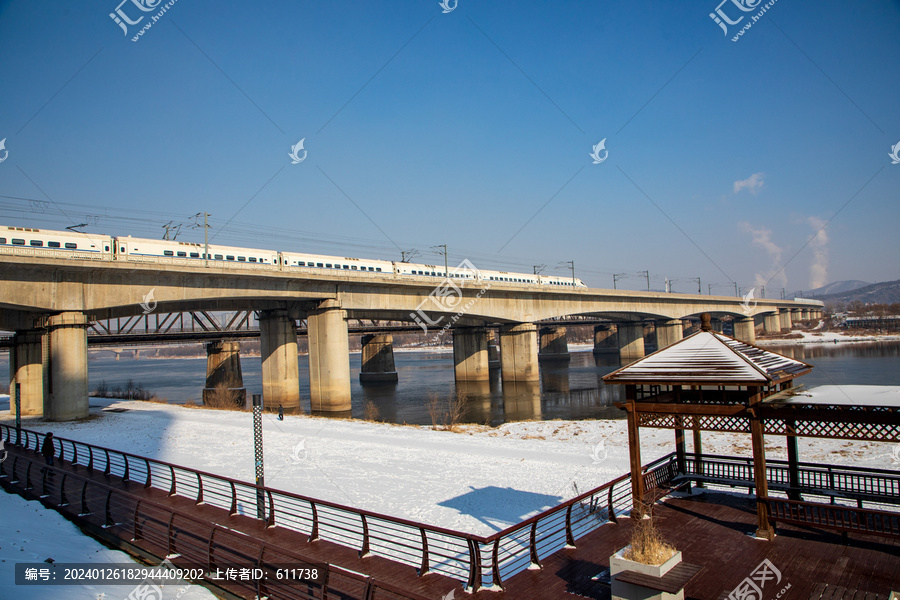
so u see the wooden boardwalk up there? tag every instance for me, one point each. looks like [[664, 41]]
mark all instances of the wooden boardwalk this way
[[712, 530]]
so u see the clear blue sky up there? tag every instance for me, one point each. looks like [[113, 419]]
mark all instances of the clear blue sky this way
[[459, 128]]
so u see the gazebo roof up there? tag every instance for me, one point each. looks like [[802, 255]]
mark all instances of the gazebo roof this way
[[708, 357]]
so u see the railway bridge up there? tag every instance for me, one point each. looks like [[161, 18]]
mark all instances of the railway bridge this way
[[50, 302]]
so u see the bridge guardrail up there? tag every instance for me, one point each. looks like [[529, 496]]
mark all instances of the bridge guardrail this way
[[477, 560]]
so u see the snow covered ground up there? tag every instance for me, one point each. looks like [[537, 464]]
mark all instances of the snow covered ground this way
[[31, 533], [827, 337]]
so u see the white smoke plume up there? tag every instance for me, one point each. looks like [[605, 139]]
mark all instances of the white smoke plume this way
[[818, 271], [762, 237]]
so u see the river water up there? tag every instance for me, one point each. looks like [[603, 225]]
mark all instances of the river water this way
[[567, 391]]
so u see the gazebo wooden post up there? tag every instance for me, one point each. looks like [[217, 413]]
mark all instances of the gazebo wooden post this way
[[679, 434], [793, 454], [634, 452], [764, 525], [698, 452]]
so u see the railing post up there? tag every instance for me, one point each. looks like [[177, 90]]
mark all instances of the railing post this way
[[148, 482], [136, 529], [365, 544], [314, 534], [570, 540], [74, 453], [423, 567], [127, 472], [63, 501], [270, 521], [109, 521], [495, 563], [84, 509], [532, 543], [611, 511], [106, 469], [199, 489], [44, 474], [28, 485], [172, 487], [170, 541], [233, 509], [474, 582], [90, 464]]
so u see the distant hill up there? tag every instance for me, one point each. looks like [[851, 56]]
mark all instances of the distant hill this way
[[835, 287], [887, 292]]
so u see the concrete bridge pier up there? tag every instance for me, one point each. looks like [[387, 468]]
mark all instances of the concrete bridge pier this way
[[785, 315], [745, 329], [493, 352], [631, 340], [378, 359], [26, 368], [278, 350], [66, 393], [223, 368], [668, 332], [471, 354], [772, 323], [605, 339], [519, 352], [329, 358], [554, 345]]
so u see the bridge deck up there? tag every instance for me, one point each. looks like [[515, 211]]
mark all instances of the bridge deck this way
[[712, 530]]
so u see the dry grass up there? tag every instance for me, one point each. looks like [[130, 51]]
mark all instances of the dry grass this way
[[370, 411], [447, 414], [223, 397], [647, 546]]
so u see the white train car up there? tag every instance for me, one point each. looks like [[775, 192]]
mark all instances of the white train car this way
[[321, 261], [147, 250], [47, 242]]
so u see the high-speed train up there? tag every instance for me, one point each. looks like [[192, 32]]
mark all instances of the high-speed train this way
[[74, 244]]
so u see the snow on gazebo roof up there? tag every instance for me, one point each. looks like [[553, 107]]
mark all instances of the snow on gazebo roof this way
[[708, 357]]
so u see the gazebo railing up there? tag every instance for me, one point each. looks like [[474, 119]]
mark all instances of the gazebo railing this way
[[835, 481]]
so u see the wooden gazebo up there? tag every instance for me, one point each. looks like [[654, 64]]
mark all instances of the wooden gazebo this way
[[709, 381]]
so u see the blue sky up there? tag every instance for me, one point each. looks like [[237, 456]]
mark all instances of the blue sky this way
[[472, 129]]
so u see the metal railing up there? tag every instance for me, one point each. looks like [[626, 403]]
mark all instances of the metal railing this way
[[195, 543], [835, 481], [477, 560]]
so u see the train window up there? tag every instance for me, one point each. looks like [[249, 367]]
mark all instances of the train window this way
[[219, 257], [2, 240], [301, 263], [18, 242], [195, 255], [353, 267], [168, 253], [53, 244], [242, 259], [327, 265], [122, 249], [69, 245], [319, 265], [378, 269], [346, 266], [252, 259], [37, 243], [229, 257], [180, 254], [106, 248]]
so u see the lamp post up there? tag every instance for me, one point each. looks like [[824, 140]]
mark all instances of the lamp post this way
[[258, 456]]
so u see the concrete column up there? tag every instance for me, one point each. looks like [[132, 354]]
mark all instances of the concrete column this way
[[745, 329], [378, 359], [223, 367], [668, 332], [605, 339], [772, 323], [519, 352], [66, 394], [493, 354], [631, 340], [785, 315], [804, 315], [329, 358], [554, 344], [278, 351], [26, 368], [223, 364], [471, 354]]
